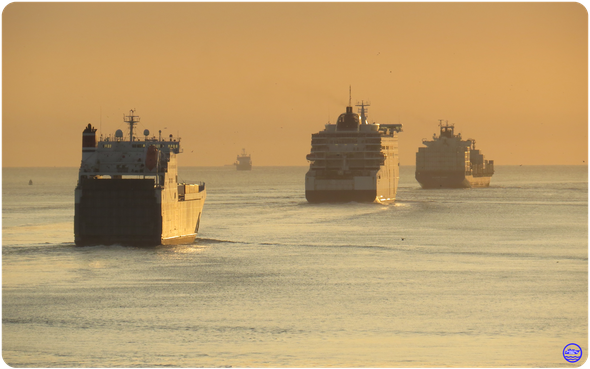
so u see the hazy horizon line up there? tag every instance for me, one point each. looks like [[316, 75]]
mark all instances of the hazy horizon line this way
[[306, 166]]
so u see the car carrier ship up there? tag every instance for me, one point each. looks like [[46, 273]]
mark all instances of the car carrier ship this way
[[243, 161], [128, 191], [450, 162], [353, 160]]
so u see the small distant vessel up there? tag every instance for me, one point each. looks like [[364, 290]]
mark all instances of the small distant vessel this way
[[128, 191], [353, 160], [244, 161], [450, 162]]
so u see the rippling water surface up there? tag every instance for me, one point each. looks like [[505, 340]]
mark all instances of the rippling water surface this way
[[463, 278]]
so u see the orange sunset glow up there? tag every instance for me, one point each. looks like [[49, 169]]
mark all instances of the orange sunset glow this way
[[265, 76]]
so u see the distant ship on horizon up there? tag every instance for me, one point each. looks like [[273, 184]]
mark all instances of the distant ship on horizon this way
[[243, 161], [448, 161]]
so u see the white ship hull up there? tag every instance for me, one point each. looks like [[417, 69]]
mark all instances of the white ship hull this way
[[380, 187], [439, 179]]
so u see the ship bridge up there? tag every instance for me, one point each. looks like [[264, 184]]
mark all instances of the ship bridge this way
[[120, 155], [447, 131]]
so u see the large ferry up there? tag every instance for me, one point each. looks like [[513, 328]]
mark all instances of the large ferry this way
[[243, 161], [448, 161], [353, 160], [128, 191]]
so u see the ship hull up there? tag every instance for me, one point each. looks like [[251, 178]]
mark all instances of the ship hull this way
[[380, 187], [244, 167], [321, 196], [430, 180], [180, 240], [133, 212]]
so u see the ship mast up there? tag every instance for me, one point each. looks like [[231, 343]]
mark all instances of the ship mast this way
[[363, 111], [132, 120]]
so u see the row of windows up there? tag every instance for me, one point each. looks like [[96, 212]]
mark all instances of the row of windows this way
[[344, 141]]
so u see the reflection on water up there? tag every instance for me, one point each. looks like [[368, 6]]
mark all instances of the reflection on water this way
[[178, 252], [490, 277]]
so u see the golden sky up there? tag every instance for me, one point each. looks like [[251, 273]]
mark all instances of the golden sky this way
[[265, 76]]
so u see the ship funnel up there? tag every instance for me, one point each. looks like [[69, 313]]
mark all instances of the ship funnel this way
[[348, 121], [89, 138], [88, 142]]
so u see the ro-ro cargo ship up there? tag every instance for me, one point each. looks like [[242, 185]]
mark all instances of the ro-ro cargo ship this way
[[128, 191], [353, 160], [448, 161]]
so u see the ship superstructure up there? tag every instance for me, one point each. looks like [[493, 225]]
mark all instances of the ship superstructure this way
[[353, 160], [448, 161], [128, 191], [243, 161]]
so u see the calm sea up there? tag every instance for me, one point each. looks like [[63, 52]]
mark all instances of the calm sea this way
[[488, 277]]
